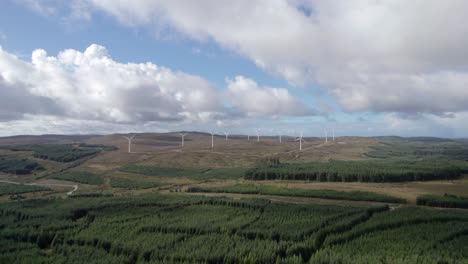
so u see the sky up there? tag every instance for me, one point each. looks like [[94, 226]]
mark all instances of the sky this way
[[358, 67]]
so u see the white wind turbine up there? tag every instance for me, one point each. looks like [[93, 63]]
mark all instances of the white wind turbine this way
[[212, 139], [183, 138], [226, 134], [280, 137], [326, 135], [129, 142], [258, 135], [248, 137], [300, 141]]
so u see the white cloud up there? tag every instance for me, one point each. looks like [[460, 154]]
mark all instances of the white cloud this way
[[245, 95], [43, 7], [90, 86], [388, 56]]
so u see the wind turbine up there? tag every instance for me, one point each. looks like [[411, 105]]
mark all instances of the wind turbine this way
[[248, 137], [333, 134], [280, 137], [183, 138], [129, 142], [258, 135], [226, 134], [326, 135], [212, 139], [300, 141]]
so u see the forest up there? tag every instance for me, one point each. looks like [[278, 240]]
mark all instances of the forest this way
[[357, 171], [446, 200], [19, 166], [8, 188], [322, 193], [154, 228], [57, 152]]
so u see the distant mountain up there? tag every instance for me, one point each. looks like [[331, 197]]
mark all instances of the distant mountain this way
[[416, 139], [43, 139], [429, 139]]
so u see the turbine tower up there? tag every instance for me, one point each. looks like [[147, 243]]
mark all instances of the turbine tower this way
[[129, 142], [212, 139], [280, 138], [333, 134], [226, 134], [248, 137], [183, 138], [300, 141], [326, 135], [258, 135]]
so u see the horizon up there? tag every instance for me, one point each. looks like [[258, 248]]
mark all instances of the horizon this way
[[220, 134], [99, 67]]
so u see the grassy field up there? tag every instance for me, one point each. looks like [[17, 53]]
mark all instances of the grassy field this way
[[174, 229], [196, 174], [419, 149], [7, 188], [133, 184], [81, 177], [326, 194], [164, 150]]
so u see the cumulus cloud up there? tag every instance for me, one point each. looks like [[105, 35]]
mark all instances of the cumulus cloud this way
[[246, 96], [15, 97], [384, 56], [91, 86]]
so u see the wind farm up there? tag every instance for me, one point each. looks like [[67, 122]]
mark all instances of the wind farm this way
[[345, 173], [236, 132]]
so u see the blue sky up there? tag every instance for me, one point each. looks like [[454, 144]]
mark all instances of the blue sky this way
[[331, 67]]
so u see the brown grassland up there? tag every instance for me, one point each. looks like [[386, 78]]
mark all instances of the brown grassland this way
[[165, 150]]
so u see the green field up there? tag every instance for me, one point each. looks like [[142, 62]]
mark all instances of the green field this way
[[449, 201], [176, 229], [133, 184], [81, 177], [325, 194], [7, 188], [419, 148], [196, 174]]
